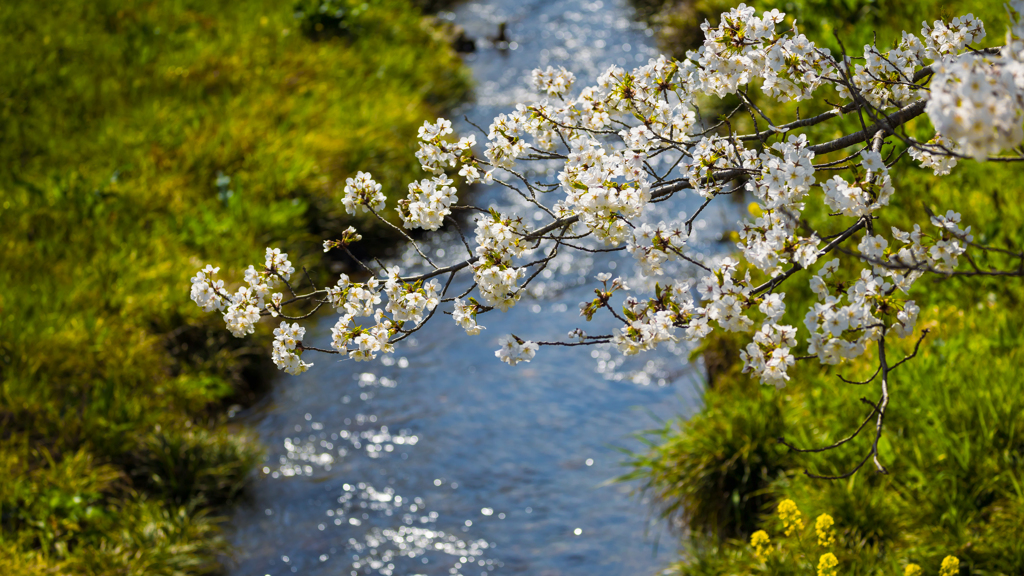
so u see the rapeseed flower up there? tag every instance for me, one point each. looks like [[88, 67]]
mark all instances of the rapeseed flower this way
[[823, 527], [790, 516], [827, 564], [950, 566], [762, 545]]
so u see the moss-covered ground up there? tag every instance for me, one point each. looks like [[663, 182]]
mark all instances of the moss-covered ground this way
[[140, 140]]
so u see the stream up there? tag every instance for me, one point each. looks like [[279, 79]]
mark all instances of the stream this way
[[441, 460]]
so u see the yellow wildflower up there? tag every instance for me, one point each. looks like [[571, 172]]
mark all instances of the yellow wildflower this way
[[950, 566], [762, 545], [912, 570], [827, 564], [823, 526], [790, 516]]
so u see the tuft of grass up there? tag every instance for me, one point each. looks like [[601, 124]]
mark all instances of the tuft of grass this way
[[711, 474]]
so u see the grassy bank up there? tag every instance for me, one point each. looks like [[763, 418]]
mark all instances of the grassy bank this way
[[953, 440], [138, 141]]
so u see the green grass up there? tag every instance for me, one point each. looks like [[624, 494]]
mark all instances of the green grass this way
[[955, 427], [116, 120]]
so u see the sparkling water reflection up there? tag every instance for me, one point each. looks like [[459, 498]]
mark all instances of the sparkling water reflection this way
[[443, 461]]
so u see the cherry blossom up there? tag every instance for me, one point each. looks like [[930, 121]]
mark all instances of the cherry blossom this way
[[635, 138]]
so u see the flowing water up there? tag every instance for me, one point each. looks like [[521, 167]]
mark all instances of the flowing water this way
[[442, 460]]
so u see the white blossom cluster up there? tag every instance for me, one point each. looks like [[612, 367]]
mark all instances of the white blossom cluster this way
[[363, 343], [945, 39], [407, 303], [207, 292], [286, 356], [514, 350], [499, 240], [504, 140], [609, 137], [464, 315], [435, 153], [941, 164], [429, 201], [733, 53], [358, 300], [604, 204], [553, 81], [653, 322], [651, 246], [243, 307], [661, 91], [978, 102], [786, 175], [498, 282], [711, 155], [362, 194], [864, 196], [929, 253], [769, 356], [885, 79], [726, 297], [795, 68], [841, 331]]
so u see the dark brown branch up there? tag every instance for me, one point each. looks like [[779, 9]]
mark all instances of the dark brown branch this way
[[914, 353], [771, 284], [840, 442]]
